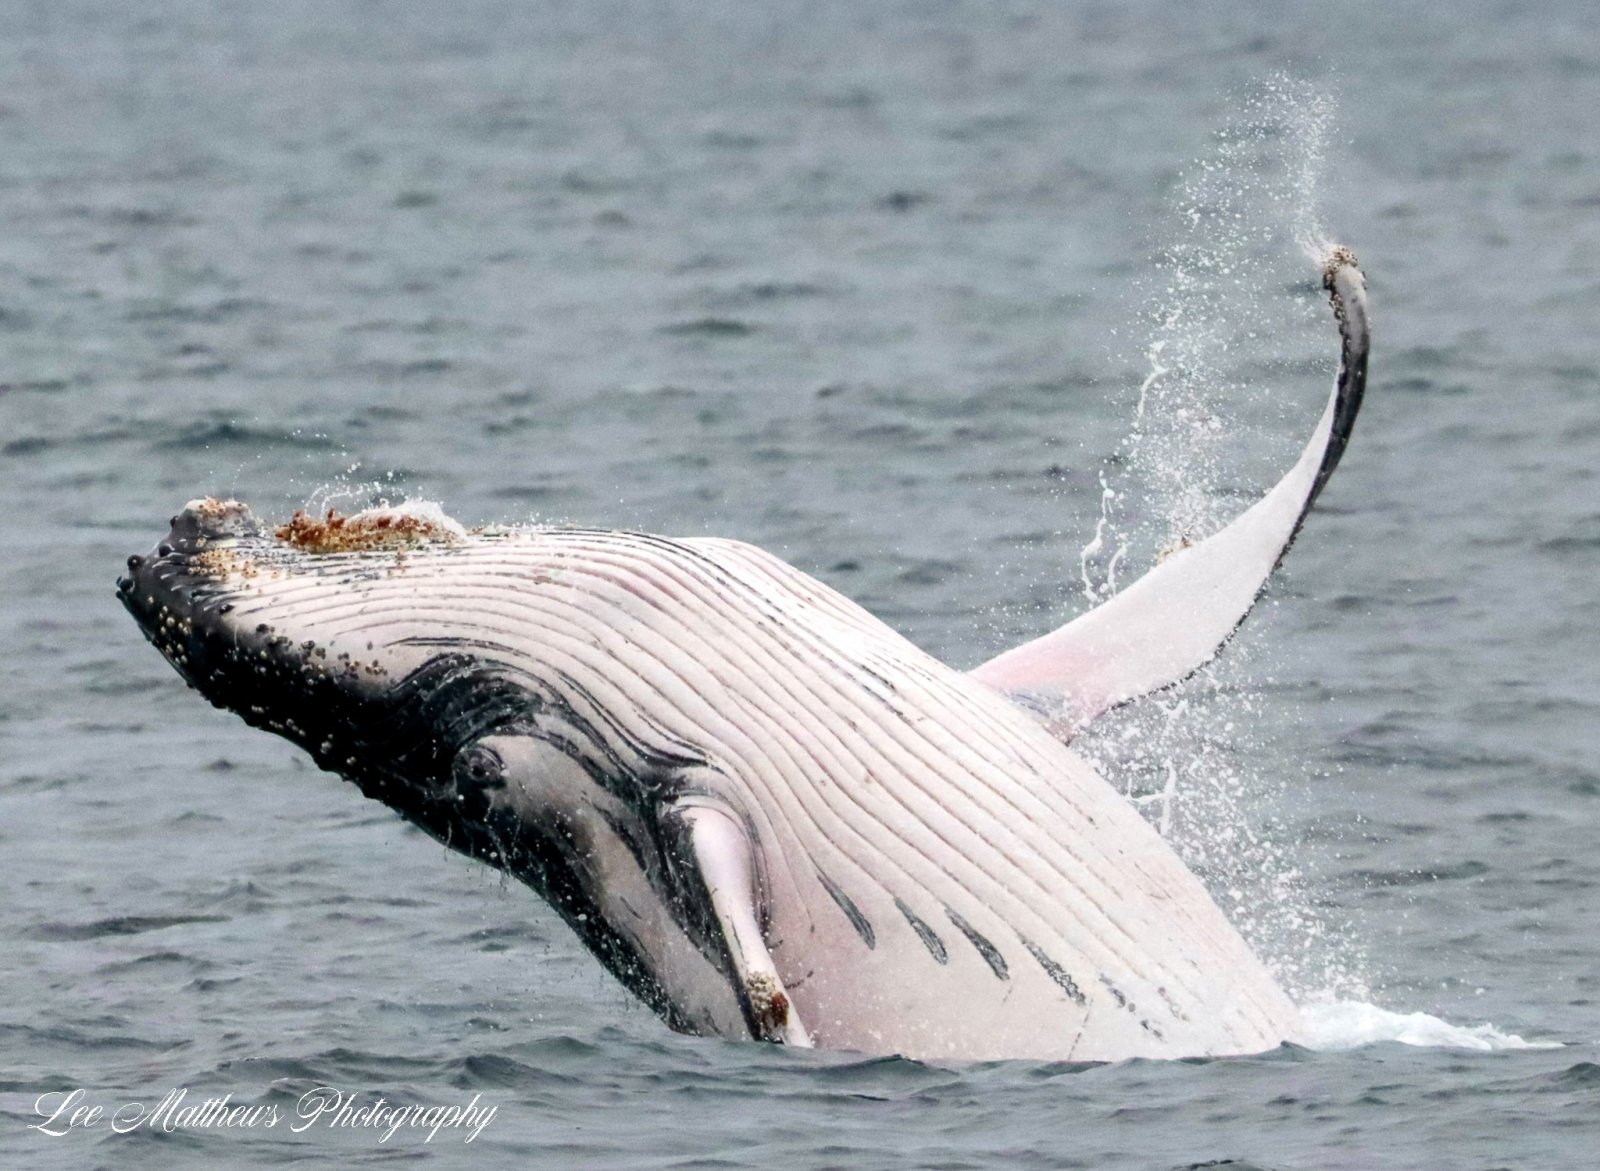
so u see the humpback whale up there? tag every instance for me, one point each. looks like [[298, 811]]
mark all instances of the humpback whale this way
[[766, 813]]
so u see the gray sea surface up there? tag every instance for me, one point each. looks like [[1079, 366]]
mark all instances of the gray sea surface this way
[[875, 287]]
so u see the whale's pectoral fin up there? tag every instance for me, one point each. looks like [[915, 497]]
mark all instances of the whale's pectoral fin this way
[[1175, 619], [723, 862]]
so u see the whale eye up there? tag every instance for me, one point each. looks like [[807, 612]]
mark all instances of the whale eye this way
[[479, 767]]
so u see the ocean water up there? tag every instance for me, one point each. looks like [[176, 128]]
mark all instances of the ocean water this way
[[877, 288]]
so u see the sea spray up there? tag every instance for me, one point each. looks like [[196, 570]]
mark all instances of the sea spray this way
[[1235, 325], [349, 492], [1237, 354]]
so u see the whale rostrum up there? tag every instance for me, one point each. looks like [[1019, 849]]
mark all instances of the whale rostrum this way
[[765, 813]]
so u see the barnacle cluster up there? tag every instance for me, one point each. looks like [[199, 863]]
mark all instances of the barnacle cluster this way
[[1336, 258], [769, 1004], [363, 532]]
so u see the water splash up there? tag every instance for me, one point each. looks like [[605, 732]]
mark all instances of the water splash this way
[[1231, 314], [1345, 1024], [298, 460], [1235, 328], [350, 492]]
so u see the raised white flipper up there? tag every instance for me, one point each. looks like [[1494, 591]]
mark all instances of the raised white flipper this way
[[1175, 619], [723, 858]]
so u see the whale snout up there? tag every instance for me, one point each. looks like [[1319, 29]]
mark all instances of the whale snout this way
[[204, 521], [174, 590], [201, 525]]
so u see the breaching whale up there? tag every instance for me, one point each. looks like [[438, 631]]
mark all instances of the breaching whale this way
[[766, 813]]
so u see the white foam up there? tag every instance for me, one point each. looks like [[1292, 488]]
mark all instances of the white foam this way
[[1349, 1024], [428, 511]]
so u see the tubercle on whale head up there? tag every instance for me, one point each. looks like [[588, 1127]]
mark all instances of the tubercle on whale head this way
[[211, 549]]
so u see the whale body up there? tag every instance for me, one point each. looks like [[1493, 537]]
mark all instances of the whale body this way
[[765, 812]]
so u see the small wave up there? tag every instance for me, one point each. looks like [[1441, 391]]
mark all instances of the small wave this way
[[710, 327], [218, 431], [1349, 1024], [120, 925]]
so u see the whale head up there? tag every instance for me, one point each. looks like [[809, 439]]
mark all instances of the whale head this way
[[421, 662], [280, 624]]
